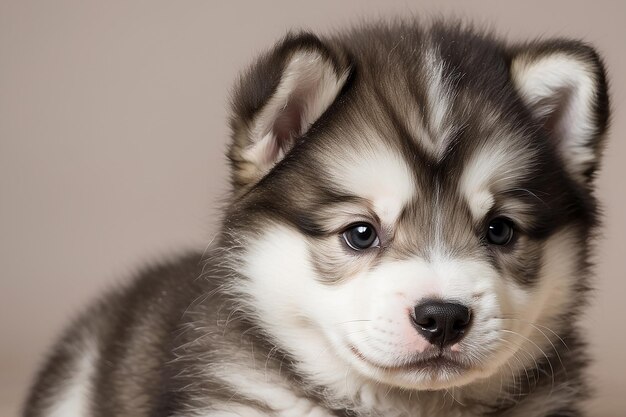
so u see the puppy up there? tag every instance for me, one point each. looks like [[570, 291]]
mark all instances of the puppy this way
[[408, 234]]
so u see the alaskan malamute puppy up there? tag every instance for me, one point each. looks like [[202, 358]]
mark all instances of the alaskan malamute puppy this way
[[408, 235]]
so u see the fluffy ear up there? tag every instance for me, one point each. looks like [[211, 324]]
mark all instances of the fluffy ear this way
[[564, 85], [278, 100]]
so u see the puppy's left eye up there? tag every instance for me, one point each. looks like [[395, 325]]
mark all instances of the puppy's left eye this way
[[361, 236]]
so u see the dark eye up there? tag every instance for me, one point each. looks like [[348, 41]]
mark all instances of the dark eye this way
[[500, 231], [361, 236]]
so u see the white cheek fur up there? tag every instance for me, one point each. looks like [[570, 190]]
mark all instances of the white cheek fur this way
[[292, 305]]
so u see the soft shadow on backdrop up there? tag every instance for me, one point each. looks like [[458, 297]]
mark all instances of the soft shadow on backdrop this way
[[113, 124]]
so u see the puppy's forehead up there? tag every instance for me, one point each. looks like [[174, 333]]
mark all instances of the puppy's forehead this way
[[377, 172], [414, 130]]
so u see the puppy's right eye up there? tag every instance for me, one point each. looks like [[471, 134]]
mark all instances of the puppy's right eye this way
[[361, 236]]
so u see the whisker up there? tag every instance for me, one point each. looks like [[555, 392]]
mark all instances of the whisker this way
[[538, 325], [541, 350]]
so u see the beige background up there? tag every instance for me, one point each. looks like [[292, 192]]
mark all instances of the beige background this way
[[112, 127]]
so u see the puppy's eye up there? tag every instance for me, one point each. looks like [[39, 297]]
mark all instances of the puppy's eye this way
[[500, 231], [361, 236]]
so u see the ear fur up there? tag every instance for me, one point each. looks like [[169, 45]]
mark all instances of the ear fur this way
[[564, 85], [278, 100]]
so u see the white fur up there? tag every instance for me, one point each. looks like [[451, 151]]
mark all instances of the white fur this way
[[491, 169], [439, 99], [258, 385], [74, 397], [542, 83], [379, 175], [279, 269], [228, 410], [387, 295]]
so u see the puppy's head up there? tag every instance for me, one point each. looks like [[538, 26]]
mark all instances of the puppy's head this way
[[413, 206]]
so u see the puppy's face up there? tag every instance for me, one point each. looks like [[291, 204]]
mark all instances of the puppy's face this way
[[412, 220]]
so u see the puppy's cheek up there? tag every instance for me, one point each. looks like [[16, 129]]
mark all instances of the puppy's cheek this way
[[551, 290], [559, 277], [285, 288], [277, 274], [531, 314]]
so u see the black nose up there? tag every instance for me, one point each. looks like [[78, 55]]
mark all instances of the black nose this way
[[442, 324]]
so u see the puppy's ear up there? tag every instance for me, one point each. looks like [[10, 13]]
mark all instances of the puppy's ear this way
[[278, 100], [564, 85]]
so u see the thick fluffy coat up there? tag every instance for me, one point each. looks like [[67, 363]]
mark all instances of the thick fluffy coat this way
[[374, 172]]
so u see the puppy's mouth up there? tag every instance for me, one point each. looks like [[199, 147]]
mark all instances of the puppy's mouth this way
[[434, 361]]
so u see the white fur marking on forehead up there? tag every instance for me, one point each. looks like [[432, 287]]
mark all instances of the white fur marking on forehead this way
[[563, 84], [438, 98], [380, 175], [492, 168], [438, 91], [480, 203]]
